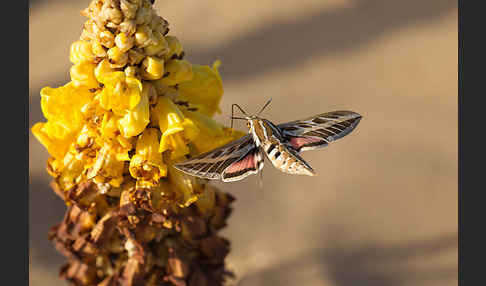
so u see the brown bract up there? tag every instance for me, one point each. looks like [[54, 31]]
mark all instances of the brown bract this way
[[131, 244]]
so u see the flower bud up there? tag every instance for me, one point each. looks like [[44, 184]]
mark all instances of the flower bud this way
[[143, 36], [81, 51], [128, 9], [107, 39], [98, 49], [158, 47], [117, 58], [175, 47], [124, 42], [147, 165], [152, 68]]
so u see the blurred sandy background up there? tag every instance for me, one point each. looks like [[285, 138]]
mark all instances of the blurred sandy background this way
[[383, 210]]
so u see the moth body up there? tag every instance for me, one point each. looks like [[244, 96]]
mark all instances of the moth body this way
[[270, 140]]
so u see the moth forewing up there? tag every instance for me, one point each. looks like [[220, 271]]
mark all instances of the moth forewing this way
[[318, 131], [211, 165]]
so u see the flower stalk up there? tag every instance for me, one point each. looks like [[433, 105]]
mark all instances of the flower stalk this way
[[133, 108]]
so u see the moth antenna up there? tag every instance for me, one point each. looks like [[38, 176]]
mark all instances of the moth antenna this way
[[232, 118], [241, 109], [233, 112], [266, 104]]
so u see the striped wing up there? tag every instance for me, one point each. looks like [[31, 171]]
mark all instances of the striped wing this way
[[319, 130], [231, 162], [249, 164]]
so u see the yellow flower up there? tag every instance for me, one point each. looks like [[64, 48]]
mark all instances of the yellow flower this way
[[98, 49], [108, 166], [81, 51], [213, 134], [57, 148], [177, 71], [82, 75], [109, 126], [54, 167], [103, 71], [110, 136], [135, 120], [152, 68], [204, 90], [147, 165], [123, 42], [73, 167], [120, 92], [62, 108], [85, 138], [123, 147], [176, 129], [117, 58]]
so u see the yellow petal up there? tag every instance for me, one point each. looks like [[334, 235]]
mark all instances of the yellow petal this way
[[134, 91], [117, 58], [213, 134], [120, 92], [204, 90], [109, 126], [134, 121], [63, 106], [147, 165], [176, 130], [177, 71], [57, 131], [57, 148], [72, 170], [176, 143], [82, 75], [125, 146], [124, 42], [98, 49], [85, 138], [103, 71], [81, 51], [107, 165], [54, 167], [152, 68]]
